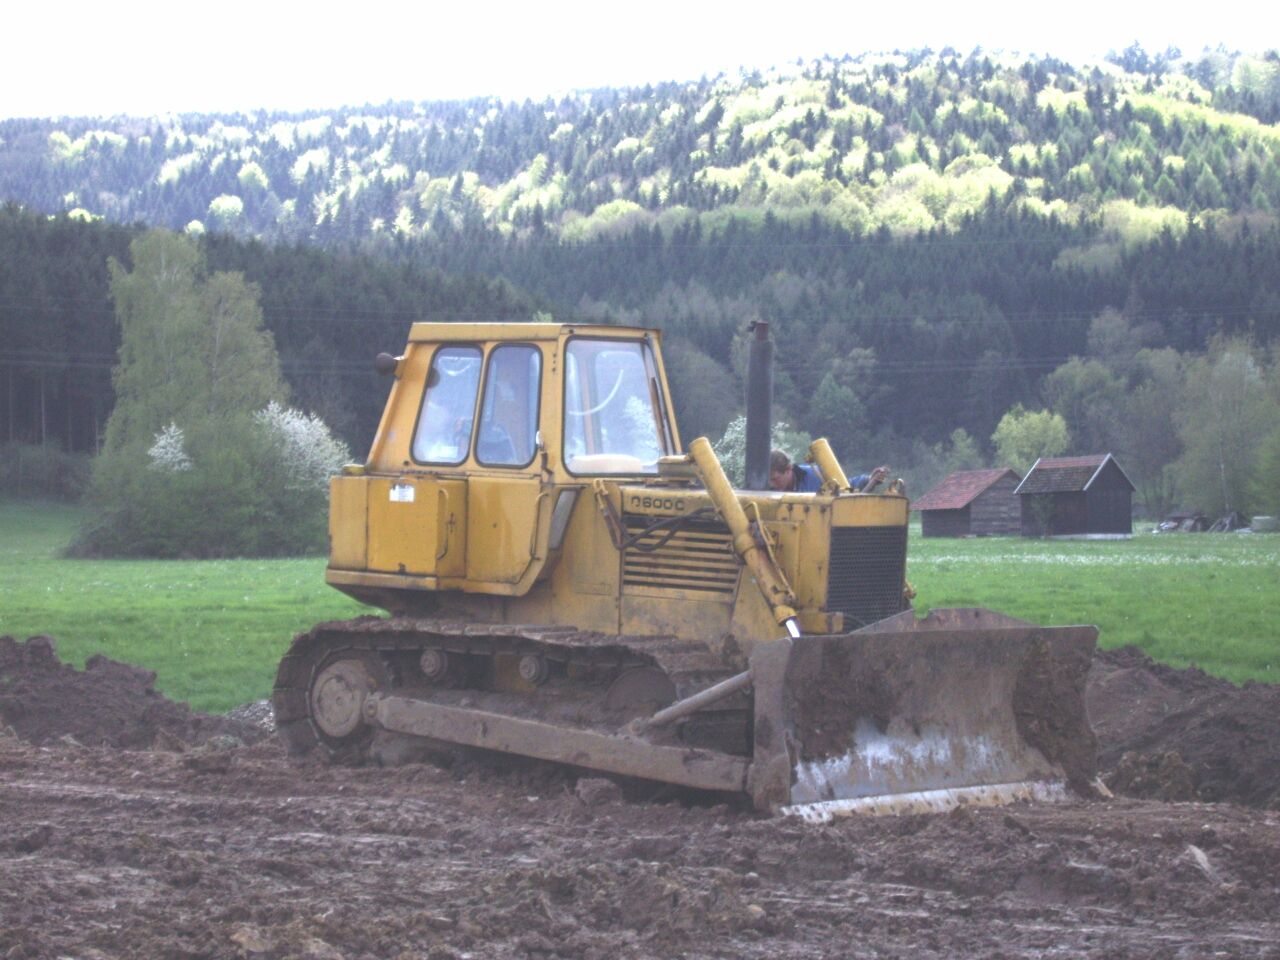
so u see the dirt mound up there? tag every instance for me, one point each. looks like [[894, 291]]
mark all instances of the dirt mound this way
[[1172, 734], [44, 700]]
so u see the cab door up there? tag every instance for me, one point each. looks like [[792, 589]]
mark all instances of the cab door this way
[[507, 498], [418, 517]]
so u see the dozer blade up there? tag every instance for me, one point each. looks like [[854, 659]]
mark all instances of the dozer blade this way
[[963, 707]]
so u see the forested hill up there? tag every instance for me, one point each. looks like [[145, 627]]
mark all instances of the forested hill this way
[[907, 142], [934, 238]]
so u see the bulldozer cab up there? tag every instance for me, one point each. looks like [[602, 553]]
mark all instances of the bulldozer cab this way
[[543, 463], [486, 428]]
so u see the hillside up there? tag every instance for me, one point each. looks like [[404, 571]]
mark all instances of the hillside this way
[[906, 142]]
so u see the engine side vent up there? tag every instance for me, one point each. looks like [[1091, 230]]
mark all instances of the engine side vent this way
[[867, 569], [698, 557]]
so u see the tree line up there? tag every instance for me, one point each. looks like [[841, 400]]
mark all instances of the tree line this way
[[909, 351], [328, 315]]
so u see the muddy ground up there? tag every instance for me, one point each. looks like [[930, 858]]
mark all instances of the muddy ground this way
[[130, 827]]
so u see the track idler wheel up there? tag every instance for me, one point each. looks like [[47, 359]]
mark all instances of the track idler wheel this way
[[534, 669], [322, 705], [434, 664], [337, 698]]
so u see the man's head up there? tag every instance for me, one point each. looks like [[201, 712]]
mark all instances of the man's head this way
[[779, 471]]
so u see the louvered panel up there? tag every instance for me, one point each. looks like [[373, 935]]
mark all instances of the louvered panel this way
[[698, 557], [866, 574]]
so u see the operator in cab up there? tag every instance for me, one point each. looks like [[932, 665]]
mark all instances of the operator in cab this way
[[804, 477]]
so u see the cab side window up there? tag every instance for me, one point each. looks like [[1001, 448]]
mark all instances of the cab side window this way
[[509, 412], [443, 434]]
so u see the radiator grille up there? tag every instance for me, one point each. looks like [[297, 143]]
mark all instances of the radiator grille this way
[[867, 568], [698, 557]]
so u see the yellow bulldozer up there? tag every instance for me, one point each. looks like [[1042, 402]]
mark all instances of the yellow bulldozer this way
[[565, 581]]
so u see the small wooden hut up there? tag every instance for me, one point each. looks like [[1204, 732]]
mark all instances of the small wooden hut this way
[[972, 503], [1084, 497]]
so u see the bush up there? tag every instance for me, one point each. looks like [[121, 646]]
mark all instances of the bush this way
[[1266, 476], [247, 486], [32, 470]]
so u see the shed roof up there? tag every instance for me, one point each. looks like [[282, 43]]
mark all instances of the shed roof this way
[[1067, 474], [961, 488]]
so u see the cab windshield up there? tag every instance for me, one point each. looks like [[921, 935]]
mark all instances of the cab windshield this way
[[613, 419]]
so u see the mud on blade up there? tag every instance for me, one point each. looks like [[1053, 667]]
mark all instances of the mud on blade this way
[[964, 706]]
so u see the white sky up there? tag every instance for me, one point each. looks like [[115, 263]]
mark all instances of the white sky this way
[[142, 56]]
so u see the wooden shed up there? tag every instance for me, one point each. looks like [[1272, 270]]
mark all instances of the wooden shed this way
[[1086, 497], [972, 503]]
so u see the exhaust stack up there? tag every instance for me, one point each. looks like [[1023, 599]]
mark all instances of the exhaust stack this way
[[759, 407]]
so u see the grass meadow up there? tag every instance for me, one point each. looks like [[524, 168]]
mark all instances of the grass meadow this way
[[1210, 600], [212, 630]]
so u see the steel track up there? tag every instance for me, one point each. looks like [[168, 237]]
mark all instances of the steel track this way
[[392, 645]]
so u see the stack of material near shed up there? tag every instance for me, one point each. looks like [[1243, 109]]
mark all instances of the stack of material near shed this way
[[972, 503], [1079, 497]]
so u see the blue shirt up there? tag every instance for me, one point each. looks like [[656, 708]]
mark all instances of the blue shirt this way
[[805, 478]]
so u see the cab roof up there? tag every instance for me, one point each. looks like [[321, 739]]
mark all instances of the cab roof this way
[[472, 332]]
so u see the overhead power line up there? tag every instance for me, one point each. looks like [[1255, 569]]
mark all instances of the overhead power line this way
[[41, 306]]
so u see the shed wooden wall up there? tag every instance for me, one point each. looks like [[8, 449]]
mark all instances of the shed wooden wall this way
[[1070, 515], [944, 523], [1110, 502], [995, 512]]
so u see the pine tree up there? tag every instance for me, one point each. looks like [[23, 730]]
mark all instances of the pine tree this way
[[1208, 190]]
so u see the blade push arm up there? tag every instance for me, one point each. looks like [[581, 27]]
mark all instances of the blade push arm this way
[[749, 539]]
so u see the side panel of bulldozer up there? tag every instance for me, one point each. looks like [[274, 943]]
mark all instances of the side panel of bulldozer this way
[[348, 526]]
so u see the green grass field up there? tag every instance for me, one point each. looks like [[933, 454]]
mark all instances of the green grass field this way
[[1208, 600], [214, 629]]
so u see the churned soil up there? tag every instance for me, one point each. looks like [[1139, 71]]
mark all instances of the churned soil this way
[[1171, 734], [199, 844], [109, 703]]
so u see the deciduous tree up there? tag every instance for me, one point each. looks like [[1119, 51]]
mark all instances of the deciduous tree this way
[[1023, 436], [1089, 397], [201, 459], [191, 347], [1226, 410], [1149, 440]]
